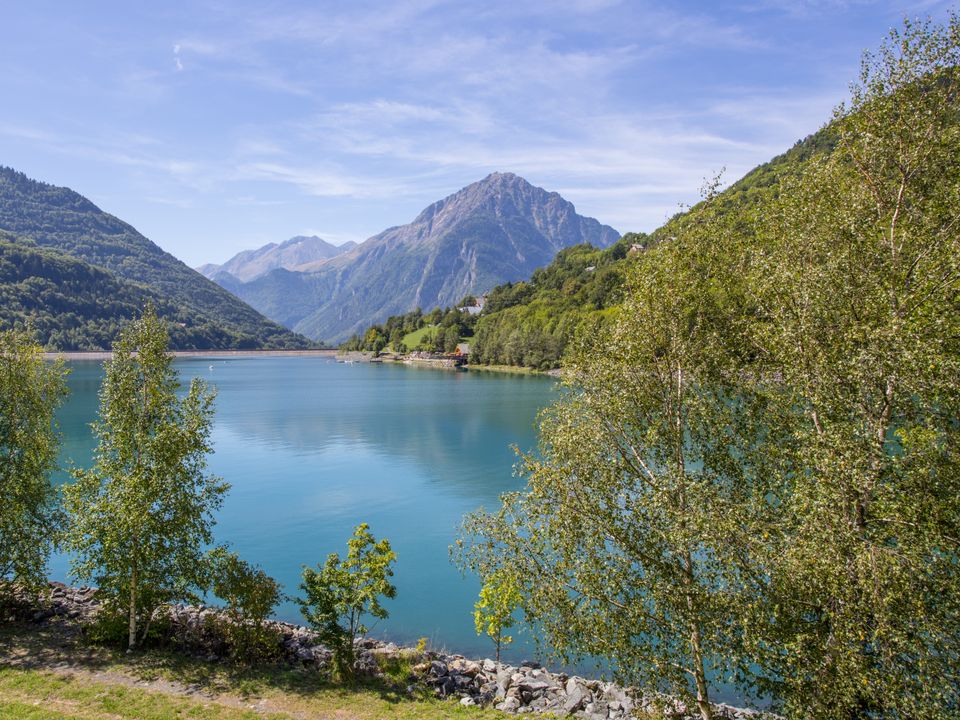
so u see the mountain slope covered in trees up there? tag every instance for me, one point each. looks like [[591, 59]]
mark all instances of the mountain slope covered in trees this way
[[107, 251], [531, 323]]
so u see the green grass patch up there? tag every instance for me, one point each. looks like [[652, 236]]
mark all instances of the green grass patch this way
[[45, 675], [412, 340]]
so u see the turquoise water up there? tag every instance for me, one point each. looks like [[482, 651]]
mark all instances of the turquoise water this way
[[312, 448]]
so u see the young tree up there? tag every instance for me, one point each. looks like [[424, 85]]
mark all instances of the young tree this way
[[451, 337], [493, 611], [342, 592], [30, 391], [142, 514]]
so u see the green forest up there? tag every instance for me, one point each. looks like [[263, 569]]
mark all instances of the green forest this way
[[76, 273]]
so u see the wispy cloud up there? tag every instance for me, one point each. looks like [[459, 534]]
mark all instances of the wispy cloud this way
[[352, 116]]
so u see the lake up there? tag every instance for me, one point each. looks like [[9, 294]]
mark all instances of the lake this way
[[312, 448]]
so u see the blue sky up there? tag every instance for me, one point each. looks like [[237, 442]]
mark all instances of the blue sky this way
[[218, 126]]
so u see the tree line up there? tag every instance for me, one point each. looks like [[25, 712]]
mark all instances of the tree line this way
[[446, 328]]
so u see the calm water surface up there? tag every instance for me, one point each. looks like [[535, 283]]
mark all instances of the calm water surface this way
[[312, 448]]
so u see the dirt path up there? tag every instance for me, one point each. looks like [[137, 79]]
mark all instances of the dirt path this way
[[58, 648]]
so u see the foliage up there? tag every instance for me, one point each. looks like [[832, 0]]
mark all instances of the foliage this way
[[640, 494], [30, 391], [530, 324], [859, 279], [341, 592], [440, 330], [90, 247], [493, 611], [72, 305], [250, 595], [755, 473], [142, 514]]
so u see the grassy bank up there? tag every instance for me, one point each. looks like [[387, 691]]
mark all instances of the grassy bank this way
[[49, 672]]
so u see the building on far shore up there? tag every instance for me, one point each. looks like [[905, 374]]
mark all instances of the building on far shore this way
[[477, 306]]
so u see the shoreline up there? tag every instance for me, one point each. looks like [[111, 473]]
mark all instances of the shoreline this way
[[510, 689], [438, 362], [107, 354], [349, 356]]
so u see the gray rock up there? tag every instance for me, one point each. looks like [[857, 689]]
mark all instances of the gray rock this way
[[577, 696], [510, 705], [533, 685]]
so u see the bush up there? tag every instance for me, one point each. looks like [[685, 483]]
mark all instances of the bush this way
[[250, 595]]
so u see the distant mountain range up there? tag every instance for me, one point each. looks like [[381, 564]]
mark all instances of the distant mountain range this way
[[302, 253], [497, 230], [75, 273]]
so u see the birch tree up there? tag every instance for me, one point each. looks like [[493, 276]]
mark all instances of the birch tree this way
[[858, 290], [30, 391], [141, 516], [626, 538]]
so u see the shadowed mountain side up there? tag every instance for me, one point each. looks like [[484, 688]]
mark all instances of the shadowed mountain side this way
[[494, 231], [72, 305], [60, 219]]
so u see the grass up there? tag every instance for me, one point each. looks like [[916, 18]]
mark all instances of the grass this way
[[412, 340], [49, 673], [39, 695]]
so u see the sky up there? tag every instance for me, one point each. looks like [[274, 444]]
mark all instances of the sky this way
[[214, 127]]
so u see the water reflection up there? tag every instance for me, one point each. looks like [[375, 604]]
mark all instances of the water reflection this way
[[312, 447]]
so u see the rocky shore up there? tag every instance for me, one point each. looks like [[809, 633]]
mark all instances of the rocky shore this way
[[527, 688]]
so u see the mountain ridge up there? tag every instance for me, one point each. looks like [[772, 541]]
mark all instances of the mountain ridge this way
[[498, 229], [299, 252]]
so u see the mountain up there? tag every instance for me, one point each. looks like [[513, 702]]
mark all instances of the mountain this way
[[304, 252], [530, 323], [56, 235], [494, 231]]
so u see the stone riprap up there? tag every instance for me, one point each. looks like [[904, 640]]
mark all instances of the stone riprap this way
[[527, 688]]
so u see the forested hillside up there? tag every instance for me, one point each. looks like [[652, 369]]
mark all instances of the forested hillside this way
[[531, 323], [60, 220], [73, 305]]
